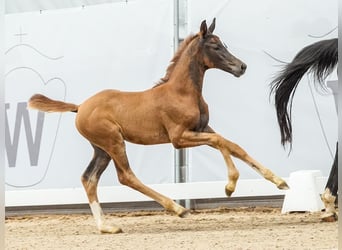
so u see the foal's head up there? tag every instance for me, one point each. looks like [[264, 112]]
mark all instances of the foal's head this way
[[208, 51], [215, 53]]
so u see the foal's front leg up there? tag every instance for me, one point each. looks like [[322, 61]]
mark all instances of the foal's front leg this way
[[117, 151], [228, 148]]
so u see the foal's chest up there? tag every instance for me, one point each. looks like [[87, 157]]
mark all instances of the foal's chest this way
[[203, 117]]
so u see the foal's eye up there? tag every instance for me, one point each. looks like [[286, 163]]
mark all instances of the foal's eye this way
[[215, 47]]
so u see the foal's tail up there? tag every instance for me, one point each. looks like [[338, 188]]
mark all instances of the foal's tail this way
[[320, 59], [46, 104]]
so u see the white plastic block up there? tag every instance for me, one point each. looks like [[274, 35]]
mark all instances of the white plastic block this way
[[303, 195]]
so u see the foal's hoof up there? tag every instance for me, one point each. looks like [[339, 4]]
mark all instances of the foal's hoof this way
[[228, 192], [229, 189], [329, 217], [110, 230], [185, 213], [283, 185]]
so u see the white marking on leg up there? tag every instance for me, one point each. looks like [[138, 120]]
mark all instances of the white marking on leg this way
[[98, 216], [329, 201], [97, 213]]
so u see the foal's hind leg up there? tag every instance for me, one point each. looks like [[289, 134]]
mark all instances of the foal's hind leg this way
[[90, 180], [116, 149]]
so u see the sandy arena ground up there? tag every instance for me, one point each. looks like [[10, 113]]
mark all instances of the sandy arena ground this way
[[238, 228]]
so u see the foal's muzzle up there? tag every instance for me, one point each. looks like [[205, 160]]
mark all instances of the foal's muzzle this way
[[238, 70]]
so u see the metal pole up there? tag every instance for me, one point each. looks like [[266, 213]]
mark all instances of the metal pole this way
[[180, 155], [176, 25]]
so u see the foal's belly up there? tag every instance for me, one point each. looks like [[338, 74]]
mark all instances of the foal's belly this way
[[143, 129], [146, 138]]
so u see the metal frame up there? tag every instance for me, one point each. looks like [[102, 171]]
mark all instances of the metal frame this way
[[181, 156]]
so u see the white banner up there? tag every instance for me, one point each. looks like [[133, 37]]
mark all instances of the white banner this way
[[70, 54]]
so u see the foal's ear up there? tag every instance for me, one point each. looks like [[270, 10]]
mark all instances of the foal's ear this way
[[204, 29], [212, 26]]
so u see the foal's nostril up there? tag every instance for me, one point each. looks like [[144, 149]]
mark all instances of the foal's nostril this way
[[243, 66]]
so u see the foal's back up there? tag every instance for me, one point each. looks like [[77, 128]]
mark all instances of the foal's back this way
[[135, 114]]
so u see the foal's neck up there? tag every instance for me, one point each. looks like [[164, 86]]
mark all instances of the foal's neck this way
[[188, 75]]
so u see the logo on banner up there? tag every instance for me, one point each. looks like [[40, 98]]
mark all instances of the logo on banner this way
[[30, 135]]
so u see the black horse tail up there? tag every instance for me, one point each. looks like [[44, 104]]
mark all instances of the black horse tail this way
[[319, 59]]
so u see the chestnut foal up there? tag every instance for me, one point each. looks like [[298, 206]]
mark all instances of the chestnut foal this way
[[173, 111]]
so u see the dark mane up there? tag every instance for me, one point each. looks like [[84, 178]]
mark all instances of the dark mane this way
[[175, 59]]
